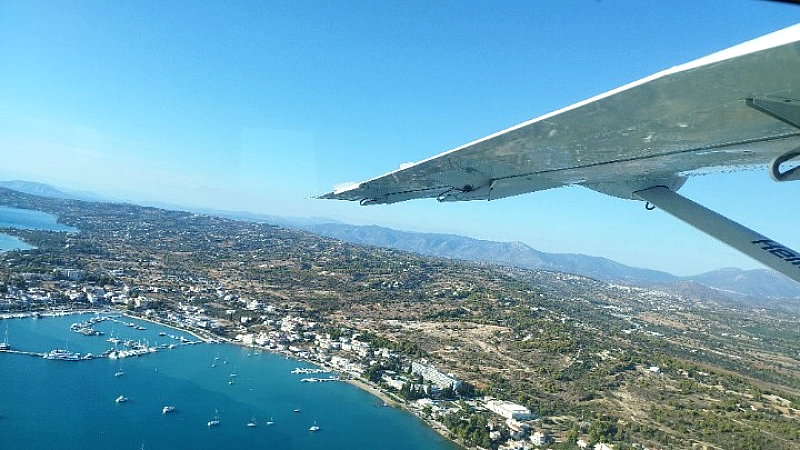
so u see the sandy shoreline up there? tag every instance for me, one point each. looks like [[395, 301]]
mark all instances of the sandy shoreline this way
[[372, 390]]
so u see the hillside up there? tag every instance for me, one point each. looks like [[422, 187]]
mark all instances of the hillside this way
[[731, 287], [578, 351], [734, 287]]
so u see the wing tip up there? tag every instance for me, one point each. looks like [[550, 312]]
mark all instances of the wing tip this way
[[341, 191]]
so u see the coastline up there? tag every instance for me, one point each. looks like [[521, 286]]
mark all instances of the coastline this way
[[392, 402], [388, 399], [383, 396], [235, 410], [10, 242], [198, 334], [193, 331], [58, 313]]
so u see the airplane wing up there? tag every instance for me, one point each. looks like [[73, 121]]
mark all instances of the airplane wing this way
[[733, 109]]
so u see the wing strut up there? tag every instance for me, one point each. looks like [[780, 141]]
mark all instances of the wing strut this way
[[757, 246]]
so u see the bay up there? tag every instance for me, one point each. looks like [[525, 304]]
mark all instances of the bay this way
[[26, 219], [12, 243], [47, 404]]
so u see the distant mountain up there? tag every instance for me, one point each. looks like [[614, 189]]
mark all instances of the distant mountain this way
[[302, 223], [732, 287], [514, 254], [758, 282], [45, 190], [33, 188]]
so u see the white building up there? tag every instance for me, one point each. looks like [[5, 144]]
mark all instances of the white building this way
[[435, 376], [346, 365], [509, 410], [515, 445], [602, 446], [538, 438], [393, 382]]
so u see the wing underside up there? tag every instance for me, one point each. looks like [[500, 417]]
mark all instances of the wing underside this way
[[681, 122]]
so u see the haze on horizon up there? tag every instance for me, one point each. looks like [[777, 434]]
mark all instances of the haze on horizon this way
[[262, 106]]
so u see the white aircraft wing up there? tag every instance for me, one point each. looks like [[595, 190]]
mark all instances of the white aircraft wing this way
[[733, 109], [674, 123]]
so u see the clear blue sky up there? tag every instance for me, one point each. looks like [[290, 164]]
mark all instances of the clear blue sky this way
[[260, 105]]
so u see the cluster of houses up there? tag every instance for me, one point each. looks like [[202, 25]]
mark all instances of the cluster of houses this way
[[348, 355], [301, 338], [68, 285]]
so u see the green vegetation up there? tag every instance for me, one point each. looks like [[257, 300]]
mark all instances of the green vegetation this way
[[468, 428], [609, 363]]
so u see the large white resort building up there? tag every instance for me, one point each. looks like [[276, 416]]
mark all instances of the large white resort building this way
[[430, 373], [508, 410]]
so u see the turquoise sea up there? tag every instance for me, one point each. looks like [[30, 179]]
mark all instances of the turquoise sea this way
[[51, 404], [11, 243]]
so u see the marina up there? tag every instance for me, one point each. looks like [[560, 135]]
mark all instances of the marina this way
[[86, 328], [305, 370], [174, 399], [318, 380]]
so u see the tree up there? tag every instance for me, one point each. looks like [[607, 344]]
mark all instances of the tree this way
[[465, 390], [447, 393]]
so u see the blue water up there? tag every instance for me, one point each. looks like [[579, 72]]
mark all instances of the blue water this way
[[11, 243], [27, 220], [70, 405], [30, 220]]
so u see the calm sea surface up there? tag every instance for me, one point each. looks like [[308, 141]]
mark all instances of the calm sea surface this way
[[50, 404], [28, 220]]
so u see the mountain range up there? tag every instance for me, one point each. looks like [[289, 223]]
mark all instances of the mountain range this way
[[736, 287], [46, 190], [730, 286]]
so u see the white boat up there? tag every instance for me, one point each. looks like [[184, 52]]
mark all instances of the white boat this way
[[252, 423], [314, 427], [4, 345], [119, 374], [62, 355], [121, 399], [167, 409], [215, 421], [270, 421]]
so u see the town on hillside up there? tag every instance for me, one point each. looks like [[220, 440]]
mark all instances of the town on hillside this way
[[491, 357]]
